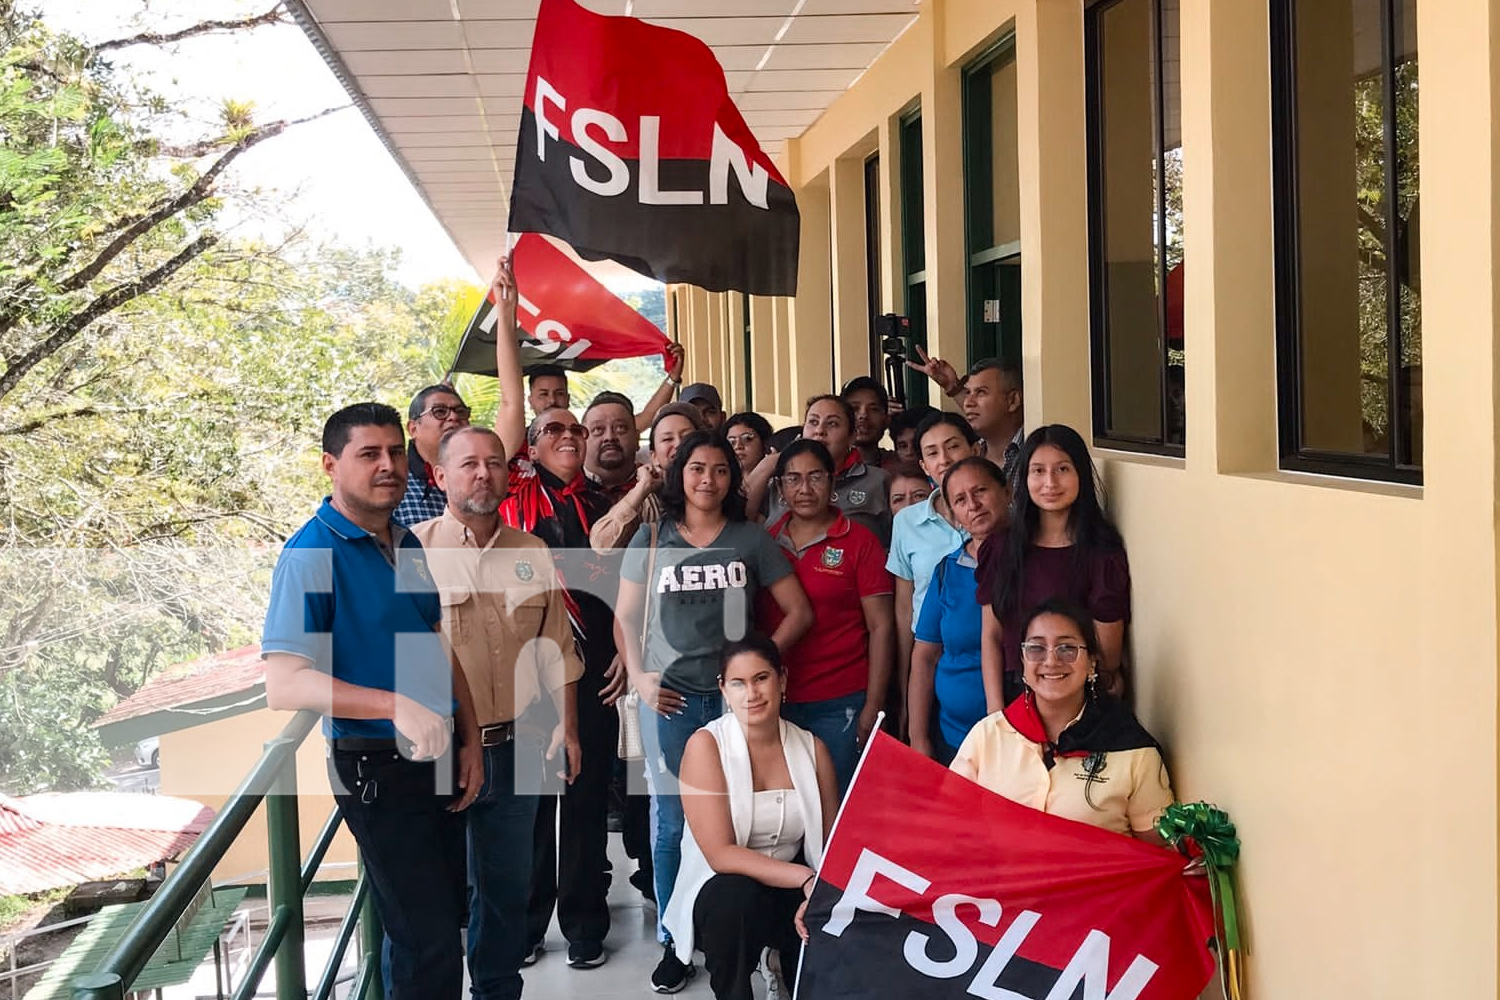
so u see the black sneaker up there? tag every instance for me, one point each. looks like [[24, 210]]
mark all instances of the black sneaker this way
[[586, 954], [671, 975], [533, 955], [643, 882]]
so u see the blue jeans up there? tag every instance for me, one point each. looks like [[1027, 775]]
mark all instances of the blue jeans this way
[[835, 721], [664, 738], [501, 823]]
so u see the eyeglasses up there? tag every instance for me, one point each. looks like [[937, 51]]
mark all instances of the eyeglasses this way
[[743, 439], [443, 411], [1036, 652], [795, 480], [557, 428]]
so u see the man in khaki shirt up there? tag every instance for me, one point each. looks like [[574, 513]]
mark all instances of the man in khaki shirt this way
[[506, 618]]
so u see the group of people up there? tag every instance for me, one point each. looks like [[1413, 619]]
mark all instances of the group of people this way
[[469, 608]]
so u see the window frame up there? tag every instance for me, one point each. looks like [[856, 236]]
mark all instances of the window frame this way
[[911, 186], [1003, 49], [1099, 346], [1290, 382]]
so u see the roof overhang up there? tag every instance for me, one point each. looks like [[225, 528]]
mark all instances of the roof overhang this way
[[441, 81]]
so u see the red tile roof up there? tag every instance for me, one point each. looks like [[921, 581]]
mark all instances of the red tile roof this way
[[190, 683], [60, 839]]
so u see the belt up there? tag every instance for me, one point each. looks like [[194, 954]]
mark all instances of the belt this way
[[497, 734], [365, 744]]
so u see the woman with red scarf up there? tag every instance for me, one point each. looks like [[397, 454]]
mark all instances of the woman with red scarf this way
[[1065, 746]]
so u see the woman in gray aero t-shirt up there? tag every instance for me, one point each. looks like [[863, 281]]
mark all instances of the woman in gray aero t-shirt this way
[[705, 564]]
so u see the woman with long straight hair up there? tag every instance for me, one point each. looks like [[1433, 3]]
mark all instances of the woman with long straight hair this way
[[1060, 544], [688, 586], [839, 673]]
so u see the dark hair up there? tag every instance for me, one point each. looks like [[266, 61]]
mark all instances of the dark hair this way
[[782, 439], [757, 643], [1064, 608], [906, 470], [910, 419], [867, 383], [1010, 370], [943, 418], [979, 462], [757, 423], [447, 439], [1089, 528], [337, 431], [674, 499], [611, 398], [829, 397], [534, 429], [804, 446], [419, 401], [545, 371]]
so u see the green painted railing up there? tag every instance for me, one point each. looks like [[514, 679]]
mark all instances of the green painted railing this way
[[272, 780]]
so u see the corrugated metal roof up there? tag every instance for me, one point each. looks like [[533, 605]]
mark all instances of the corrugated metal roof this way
[[64, 838], [187, 684]]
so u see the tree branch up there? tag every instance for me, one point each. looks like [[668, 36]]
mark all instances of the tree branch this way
[[106, 302], [272, 16]]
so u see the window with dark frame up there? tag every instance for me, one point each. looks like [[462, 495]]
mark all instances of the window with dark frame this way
[[992, 203], [1134, 99], [873, 236], [914, 250], [1348, 274]]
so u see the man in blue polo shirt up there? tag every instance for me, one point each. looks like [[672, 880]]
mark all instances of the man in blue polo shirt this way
[[352, 632]]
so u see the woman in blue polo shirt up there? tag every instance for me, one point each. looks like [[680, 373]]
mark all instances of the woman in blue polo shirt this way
[[946, 671]]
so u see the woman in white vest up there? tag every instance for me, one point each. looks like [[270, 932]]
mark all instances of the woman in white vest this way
[[760, 795]]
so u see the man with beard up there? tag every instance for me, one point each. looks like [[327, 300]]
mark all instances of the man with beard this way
[[872, 414], [609, 456], [351, 632], [508, 624], [551, 498]]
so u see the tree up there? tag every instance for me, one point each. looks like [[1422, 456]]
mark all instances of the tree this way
[[161, 390]]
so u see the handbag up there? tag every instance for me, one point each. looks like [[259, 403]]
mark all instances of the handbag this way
[[629, 746]]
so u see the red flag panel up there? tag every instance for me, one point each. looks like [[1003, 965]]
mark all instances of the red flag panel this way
[[935, 886]]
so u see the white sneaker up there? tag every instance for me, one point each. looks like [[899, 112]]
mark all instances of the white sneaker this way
[[770, 970]]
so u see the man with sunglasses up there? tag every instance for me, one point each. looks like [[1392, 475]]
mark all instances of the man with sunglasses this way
[[551, 498], [433, 412]]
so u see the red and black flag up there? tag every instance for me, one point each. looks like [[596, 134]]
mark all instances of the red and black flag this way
[[934, 887], [569, 319], [631, 149]]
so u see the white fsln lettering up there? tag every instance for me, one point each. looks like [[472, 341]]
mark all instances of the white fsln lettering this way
[[986, 984], [1090, 966], [965, 947], [857, 896], [614, 130], [546, 92], [727, 154], [651, 192]]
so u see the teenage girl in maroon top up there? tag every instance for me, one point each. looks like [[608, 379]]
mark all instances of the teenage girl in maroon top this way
[[1060, 544]]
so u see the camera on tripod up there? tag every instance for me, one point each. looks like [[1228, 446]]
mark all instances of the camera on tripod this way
[[895, 333]]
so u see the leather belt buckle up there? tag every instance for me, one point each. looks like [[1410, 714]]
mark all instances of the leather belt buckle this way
[[497, 735]]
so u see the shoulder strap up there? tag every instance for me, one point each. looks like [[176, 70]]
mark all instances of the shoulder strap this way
[[650, 588]]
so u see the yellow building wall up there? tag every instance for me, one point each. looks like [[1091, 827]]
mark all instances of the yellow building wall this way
[[1318, 655], [206, 763]]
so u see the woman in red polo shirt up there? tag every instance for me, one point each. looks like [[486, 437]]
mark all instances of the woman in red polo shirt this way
[[839, 671]]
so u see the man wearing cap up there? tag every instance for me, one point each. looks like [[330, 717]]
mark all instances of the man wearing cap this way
[[351, 632], [505, 617], [872, 415], [706, 398]]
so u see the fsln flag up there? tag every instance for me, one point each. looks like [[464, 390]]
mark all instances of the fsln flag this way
[[631, 149], [935, 887], [569, 319]]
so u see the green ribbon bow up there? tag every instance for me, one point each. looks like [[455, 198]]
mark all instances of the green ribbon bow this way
[[1201, 830]]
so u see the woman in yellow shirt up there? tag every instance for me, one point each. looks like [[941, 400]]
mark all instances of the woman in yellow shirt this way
[[1063, 747]]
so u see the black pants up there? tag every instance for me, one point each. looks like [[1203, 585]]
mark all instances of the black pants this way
[[735, 918], [413, 851], [570, 860]]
